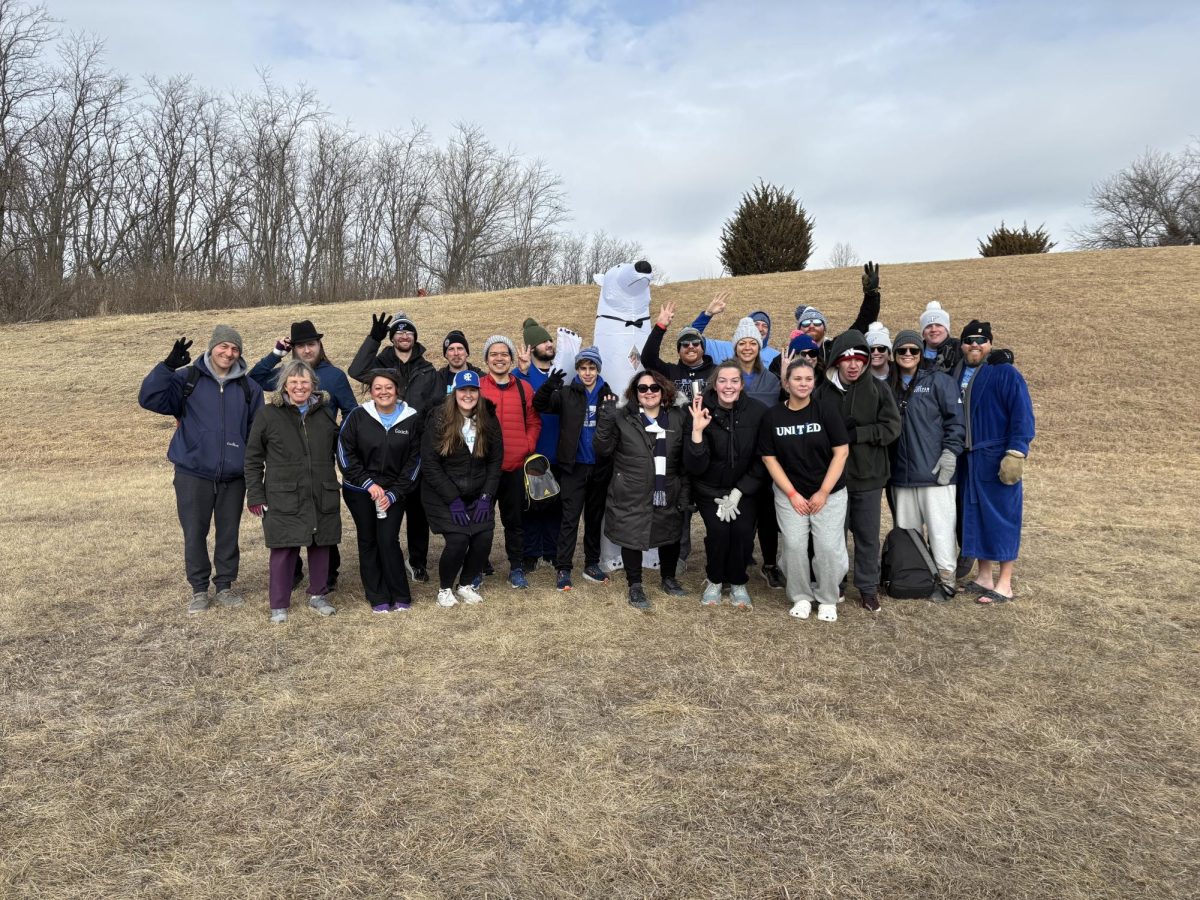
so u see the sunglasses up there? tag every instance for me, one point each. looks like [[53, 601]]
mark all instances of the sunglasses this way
[[975, 340], [808, 323], [807, 354], [908, 351], [691, 344], [649, 389], [879, 349]]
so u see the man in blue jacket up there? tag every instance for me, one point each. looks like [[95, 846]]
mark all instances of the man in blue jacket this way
[[214, 403]]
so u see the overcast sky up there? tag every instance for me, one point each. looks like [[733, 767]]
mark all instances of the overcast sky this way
[[908, 129]]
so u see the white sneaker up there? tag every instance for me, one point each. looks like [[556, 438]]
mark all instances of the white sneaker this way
[[468, 594], [827, 612], [801, 609], [711, 595], [279, 616], [741, 596], [446, 597]]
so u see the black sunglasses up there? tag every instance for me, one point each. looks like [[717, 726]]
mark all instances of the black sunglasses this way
[[975, 340], [879, 349], [691, 343], [807, 354], [908, 351], [648, 388]]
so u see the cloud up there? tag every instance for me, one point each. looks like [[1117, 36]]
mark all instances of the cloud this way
[[908, 130]]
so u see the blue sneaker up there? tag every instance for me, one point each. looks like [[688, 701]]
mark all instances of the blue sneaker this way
[[477, 582], [517, 579], [563, 582], [595, 573]]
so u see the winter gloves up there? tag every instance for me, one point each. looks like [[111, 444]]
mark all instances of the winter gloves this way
[[1012, 466], [727, 506], [257, 509], [458, 512], [945, 466], [481, 509], [179, 356], [379, 326], [1000, 357], [870, 278], [555, 379]]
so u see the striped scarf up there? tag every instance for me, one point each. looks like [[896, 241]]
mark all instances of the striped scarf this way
[[659, 430]]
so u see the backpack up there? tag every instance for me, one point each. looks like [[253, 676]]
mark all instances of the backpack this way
[[540, 483], [907, 569]]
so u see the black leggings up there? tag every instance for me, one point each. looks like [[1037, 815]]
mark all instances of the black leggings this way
[[728, 545], [465, 553], [668, 557]]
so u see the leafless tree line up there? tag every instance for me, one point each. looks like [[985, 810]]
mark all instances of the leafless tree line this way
[[1153, 202], [122, 199]]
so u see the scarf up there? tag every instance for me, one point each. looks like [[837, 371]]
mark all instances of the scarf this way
[[659, 430]]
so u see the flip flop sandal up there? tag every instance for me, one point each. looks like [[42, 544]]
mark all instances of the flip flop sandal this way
[[992, 597], [974, 587]]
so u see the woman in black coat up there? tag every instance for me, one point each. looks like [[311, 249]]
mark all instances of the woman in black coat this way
[[727, 474], [648, 493], [379, 451], [291, 484], [461, 453]]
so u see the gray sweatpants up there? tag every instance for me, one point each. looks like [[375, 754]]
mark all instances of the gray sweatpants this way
[[933, 508], [199, 502], [827, 532]]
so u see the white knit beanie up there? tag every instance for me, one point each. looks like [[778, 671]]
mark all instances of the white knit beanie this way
[[878, 335], [499, 339], [746, 328], [935, 315]]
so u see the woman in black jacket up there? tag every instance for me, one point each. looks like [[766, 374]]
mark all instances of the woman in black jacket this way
[[727, 474], [291, 484], [461, 453], [379, 450], [648, 493]]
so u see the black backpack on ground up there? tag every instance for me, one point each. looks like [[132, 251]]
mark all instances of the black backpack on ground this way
[[907, 570]]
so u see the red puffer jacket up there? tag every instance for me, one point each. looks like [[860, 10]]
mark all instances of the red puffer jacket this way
[[519, 422]]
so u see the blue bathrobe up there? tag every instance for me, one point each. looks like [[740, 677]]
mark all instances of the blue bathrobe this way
[[999, 418]]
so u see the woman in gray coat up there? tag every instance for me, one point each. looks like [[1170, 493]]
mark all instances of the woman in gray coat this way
[[648, 493], [291, 484]]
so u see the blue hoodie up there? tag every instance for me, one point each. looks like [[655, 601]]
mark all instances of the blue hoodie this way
[[547, 443], [585, 453], [210, 439], [723, 350]]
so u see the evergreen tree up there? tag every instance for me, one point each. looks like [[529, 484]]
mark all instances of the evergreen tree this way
[[1005, 241], [769, 232]]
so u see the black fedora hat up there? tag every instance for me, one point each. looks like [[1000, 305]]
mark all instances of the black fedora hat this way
[[303, 332]]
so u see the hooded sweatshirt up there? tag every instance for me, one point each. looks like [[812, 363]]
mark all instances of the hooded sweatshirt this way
[[723, 350]]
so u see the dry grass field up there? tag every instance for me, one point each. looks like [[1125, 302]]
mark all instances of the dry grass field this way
[[547, 745]]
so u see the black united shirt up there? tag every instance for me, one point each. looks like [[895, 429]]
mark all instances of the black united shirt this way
[[802, 442]]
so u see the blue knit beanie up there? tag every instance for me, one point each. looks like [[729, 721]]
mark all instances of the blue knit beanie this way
[[591, 354]]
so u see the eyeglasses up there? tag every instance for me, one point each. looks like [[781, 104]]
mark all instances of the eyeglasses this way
[[975, 340], [908, 351], [808, 323], [649, 389], [690, 344], [808, 354], [879, 349]]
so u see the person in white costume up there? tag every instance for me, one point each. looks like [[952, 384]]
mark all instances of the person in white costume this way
[[623, 323]]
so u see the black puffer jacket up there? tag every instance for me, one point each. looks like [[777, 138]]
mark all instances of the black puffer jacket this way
[[630, 519], [289, 468], [462, 474], [727, 458], [421, 387], [368, 453], [569, 403]]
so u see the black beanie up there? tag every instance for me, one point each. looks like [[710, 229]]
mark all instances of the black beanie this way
[[455, 337], [975, 328]]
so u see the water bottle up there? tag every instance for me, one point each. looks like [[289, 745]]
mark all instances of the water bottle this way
[[380, 512]]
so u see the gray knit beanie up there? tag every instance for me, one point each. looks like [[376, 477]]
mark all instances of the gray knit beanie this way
[[499, 339], [746, 328], [225, 334], [907, 338], [688, 334]]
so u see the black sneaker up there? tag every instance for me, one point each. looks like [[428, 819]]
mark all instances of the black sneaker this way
[[637, 597], [672, 587], [420, 573], [774, 577], [870, 602], [964, 567]]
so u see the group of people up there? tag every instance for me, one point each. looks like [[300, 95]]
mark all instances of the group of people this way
[[796, 446]]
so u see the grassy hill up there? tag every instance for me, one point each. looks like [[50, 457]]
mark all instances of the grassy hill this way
[[544, 745]]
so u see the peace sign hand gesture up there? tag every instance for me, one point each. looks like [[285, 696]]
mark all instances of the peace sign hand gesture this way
[[665, 315], [718, 304]]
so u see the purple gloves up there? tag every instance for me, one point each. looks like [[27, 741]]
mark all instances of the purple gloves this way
[[458, 512], [481, 509]]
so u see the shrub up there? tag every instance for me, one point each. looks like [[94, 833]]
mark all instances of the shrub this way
[[1005, 241]]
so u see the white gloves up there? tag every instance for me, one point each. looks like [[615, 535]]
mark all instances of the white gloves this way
[[946, 464], [727, 506]]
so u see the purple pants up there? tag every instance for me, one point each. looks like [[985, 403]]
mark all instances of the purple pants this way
[[283, 569]]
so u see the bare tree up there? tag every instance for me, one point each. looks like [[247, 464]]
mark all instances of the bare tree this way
[[1153, 202], [842, 256]]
